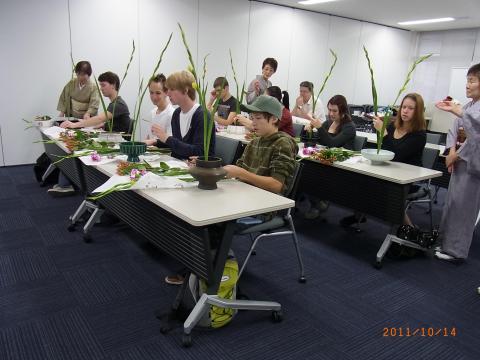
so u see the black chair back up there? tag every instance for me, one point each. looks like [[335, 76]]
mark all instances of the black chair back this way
[[359, 143], [429, 157], [297, 129], [433, 138], [226, 148], [291, 191]]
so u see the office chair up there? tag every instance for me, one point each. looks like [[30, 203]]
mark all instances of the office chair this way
[[352, 108], [281, 224], [297, 129], [226, 149], [359, 143], [433, 138], [422, 195]]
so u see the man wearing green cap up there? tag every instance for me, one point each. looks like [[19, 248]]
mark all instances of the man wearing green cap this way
[[268, 161]]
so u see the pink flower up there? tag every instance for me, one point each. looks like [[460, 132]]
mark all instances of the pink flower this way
[[134, 174], [309, 150], [95, 157]]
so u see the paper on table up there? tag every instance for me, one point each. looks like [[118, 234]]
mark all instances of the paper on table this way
[[53, 132], [87, 160], [355, 160], [147, 181]]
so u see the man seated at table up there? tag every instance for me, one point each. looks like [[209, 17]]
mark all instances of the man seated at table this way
[[162, 113], [304, 104], [187, 128], [227, 106], [268, 161], [117, 110]]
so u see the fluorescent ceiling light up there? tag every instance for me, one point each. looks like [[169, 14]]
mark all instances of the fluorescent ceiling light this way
[[313, 2], [427, 21]]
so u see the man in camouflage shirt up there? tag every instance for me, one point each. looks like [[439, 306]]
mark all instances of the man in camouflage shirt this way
[[268, 161]]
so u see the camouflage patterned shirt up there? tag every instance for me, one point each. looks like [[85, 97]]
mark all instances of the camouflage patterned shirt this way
[[273, 155]]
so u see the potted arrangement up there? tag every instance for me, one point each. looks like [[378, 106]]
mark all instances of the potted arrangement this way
[[207, 170], [311, 136], [379, 156]]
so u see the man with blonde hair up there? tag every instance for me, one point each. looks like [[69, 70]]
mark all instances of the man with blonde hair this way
[[187, 120]]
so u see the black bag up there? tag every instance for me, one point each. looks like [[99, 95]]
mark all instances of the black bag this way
[[41, 165], [425, 239]]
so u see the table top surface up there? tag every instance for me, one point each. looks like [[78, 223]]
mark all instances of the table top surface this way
[[239, 137], [231, 200], [396, 172]]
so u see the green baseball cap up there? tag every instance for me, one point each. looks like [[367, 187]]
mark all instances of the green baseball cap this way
[[265, 103]]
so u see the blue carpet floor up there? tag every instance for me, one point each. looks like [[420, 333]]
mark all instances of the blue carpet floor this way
[[63, 299]]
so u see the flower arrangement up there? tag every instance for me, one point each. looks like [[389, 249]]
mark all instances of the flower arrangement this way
[[315, 98], [389, 109], [135, 171], [328, 156], [141, 93], [240, 92], [201, 87]]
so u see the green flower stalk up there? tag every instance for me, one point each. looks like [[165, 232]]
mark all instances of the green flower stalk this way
[[240, 93], [201, 87], [315, 99], [389, 111], [110, 121], [141, 94]]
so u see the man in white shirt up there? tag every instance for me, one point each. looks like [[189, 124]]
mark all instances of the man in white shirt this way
[[304, 104], [187, 122], [161, 115]]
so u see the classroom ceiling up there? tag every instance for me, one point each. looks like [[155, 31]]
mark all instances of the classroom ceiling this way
[[390, 12]]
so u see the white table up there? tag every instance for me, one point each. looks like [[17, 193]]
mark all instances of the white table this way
[[238, 137], [377, 190], [232, 200]]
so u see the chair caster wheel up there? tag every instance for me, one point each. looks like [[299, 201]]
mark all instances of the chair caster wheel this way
[[377, 265], [277, 316], [302, 280], [87, 238], [187, 340], [71, 227]]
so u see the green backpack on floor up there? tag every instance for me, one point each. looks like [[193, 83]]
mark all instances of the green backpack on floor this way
[[217, 316]]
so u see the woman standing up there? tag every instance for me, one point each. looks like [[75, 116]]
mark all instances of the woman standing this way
[[463, 198]]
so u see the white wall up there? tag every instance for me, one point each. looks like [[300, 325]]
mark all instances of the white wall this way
[[451, 49], [34, 66], [36, 56]]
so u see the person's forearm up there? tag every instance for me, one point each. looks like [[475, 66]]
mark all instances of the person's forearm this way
[[93, 121], [264, 182], [222, 121]]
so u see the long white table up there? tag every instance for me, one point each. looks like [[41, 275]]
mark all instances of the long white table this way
[[182, 222], [377, 190]]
